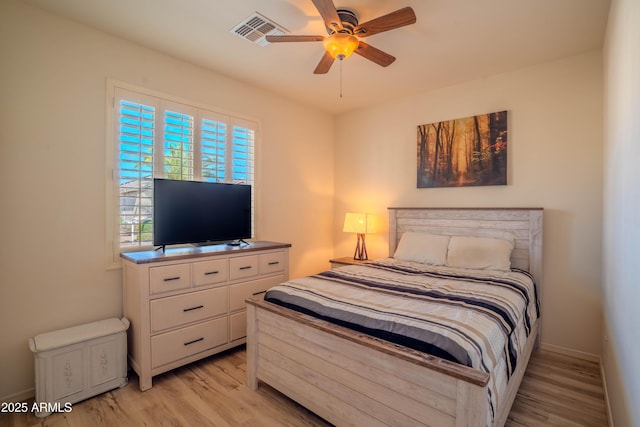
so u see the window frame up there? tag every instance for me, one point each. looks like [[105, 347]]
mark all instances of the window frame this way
[[112, 150]]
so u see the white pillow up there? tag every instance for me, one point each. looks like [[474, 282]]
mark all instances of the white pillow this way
[[482, 253], [422, 247]]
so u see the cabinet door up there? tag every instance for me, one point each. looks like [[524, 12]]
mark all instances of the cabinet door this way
[[67, 372], [106, 359]]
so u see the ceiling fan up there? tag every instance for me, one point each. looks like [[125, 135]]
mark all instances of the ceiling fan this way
[[345, 33]]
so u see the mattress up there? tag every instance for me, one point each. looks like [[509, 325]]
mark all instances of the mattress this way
[[478, 318]]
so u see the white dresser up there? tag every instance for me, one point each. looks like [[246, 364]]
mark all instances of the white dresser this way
[[189, 303]]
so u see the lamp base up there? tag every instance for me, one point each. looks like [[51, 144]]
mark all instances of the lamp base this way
[[360, 253]]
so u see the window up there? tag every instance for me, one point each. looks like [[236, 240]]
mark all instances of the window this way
[[153, 136]]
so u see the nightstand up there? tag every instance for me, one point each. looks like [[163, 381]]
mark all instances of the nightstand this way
[[341, 262]]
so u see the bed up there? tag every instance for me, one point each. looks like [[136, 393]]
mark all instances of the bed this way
[[350, 377]]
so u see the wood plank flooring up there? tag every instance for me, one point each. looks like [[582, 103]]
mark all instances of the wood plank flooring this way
[[556, 391]]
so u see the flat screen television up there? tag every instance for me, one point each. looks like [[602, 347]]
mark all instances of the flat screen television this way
[[200, 212]]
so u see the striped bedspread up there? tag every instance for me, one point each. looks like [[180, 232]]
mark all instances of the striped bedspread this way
[[477, 318]]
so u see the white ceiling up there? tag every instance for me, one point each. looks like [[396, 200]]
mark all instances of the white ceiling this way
[[453, 41]]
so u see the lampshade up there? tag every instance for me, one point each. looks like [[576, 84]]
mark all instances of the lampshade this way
[[360, 223], [340, 45]]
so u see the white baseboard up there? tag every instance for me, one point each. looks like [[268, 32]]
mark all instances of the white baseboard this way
[[20, 396], [607, 402], [570, 352]]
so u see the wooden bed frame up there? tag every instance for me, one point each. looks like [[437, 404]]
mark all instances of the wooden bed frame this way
[[350, 378]]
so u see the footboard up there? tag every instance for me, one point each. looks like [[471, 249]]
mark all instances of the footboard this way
[[349, 378]]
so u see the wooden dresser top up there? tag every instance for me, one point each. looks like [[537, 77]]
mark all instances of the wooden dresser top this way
[[190, 252]]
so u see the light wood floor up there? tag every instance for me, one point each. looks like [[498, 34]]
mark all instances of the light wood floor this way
[[556, 391]]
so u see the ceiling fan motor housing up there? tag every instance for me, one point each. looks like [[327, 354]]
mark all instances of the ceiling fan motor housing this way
[[349, 21]]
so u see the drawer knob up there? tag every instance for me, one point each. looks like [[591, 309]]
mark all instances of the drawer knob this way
[[211, 272], [169, 279], [193, 308], [194, 341], [274, 263], [246, 267]]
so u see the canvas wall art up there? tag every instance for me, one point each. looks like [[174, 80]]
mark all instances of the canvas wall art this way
[[463, 152]]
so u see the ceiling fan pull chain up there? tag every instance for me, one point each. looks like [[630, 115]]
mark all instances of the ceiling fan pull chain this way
[[341, 79]]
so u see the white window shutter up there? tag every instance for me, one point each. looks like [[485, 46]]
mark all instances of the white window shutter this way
[[163, 138]]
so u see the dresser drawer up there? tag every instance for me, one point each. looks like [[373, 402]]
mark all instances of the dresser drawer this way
[[271, 263], [181, 343], [210, 272], [179, 310], [240, 292], [243, 266], [169, 278]]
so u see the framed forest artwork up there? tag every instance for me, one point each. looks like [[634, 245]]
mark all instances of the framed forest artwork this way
[[463, 152]]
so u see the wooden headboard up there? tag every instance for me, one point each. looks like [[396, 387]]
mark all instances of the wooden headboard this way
[[524, 225]]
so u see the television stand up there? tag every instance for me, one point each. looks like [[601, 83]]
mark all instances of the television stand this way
[[189, 303]]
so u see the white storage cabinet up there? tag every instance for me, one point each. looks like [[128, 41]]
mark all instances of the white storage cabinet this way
[[76, 363]]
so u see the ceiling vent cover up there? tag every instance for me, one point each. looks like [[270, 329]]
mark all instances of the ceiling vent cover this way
[[256, 27]]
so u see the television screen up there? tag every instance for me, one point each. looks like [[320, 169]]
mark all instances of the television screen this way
[[199, 212]]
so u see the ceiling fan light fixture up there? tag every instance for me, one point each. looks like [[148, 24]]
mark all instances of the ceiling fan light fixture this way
[[340, 45]]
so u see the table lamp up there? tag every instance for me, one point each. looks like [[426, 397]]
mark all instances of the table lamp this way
[[360, 223]]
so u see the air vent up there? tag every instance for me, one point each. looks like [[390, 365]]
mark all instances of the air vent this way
[[256, 27]]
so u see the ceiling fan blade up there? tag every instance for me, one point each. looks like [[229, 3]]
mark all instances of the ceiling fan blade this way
[[375, 55], [325, 63], [294, 38], [329, 13], [391, 21]]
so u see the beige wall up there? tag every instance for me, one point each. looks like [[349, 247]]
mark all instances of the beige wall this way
[[621, 346], [555, 150], [52, 243]]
